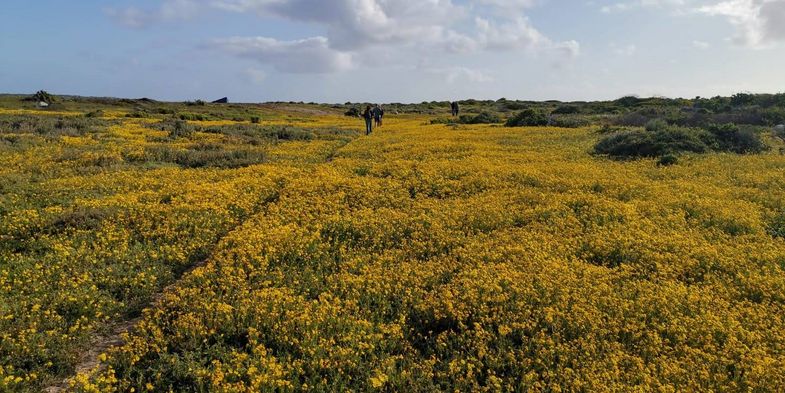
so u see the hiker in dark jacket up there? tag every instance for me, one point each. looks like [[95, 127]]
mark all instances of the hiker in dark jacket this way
[[377, 115], [455, 108], [368, 116]]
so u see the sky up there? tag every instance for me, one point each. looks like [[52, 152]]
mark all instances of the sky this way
[[392, 50]]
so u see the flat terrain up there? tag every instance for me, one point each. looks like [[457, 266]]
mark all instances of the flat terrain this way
[[297, 255]]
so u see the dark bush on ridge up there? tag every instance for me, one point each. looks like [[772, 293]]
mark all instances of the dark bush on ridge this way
[[566, 110], [569, 121], [528, 118]]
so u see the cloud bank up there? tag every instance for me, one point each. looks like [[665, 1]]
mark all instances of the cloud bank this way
[[359, 32]]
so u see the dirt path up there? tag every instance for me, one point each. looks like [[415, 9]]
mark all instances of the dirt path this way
[[90, 361]]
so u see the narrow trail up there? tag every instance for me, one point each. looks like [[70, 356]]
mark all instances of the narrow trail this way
[[89, 360]]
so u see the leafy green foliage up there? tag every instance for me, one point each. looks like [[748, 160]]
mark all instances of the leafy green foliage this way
[[528, 118], [658, 139]]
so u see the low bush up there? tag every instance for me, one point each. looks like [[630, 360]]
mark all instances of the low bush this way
[[352, 112], [50, 127], [481, 118], [193, 116], [138, 115], [41, 96], [200, 156], [659, 140], [442, 120], [731, 138], [641, 143], [566, 110], [569, 121], [776, 225], [528, 118]]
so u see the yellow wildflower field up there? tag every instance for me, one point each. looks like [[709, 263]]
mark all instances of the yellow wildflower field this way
[[419, 258]]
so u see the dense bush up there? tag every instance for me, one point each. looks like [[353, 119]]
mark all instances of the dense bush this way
[[138, 114], [193, 116], [566, 110], [729, 137], [528, 118], [50, 127], [779, 131], [200, 156], [481, 118], [255, 135], [353, 112], [641, 143], [567, 121], [42, 96], [659, 139]]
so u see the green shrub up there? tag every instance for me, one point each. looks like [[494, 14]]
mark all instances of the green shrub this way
[[51, 127], [659, 140], [193, 116], [639, 143], [668, 160], [730, 138], [96, 113], [138, 115], [566, 110], [442, 120], [776, 226], [481, 118], [656, 125], [779, 131], [201, 156], [569, 121], [528, 118], [352, 112], [181, 129], [256, 119], [42, 96]]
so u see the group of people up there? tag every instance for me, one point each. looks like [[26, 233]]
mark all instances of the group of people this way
[[372, 115]]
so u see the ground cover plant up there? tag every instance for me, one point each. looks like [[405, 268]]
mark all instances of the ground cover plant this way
[[419, 258]]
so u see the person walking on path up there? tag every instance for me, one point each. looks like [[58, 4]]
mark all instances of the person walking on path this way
[[368, 116]]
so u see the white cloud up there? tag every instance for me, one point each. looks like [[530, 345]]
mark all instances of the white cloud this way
[[627, 5], [455, 74], [759, 23], [625, 50], [359, 32], [700, 44], [255, 75], [310, 55], [168, 11]]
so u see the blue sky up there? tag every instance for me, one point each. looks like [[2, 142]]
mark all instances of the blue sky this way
[[392, 50]]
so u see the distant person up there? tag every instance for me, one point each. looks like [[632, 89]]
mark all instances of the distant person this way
[[368, 116], [456, 109], [378, 112]]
